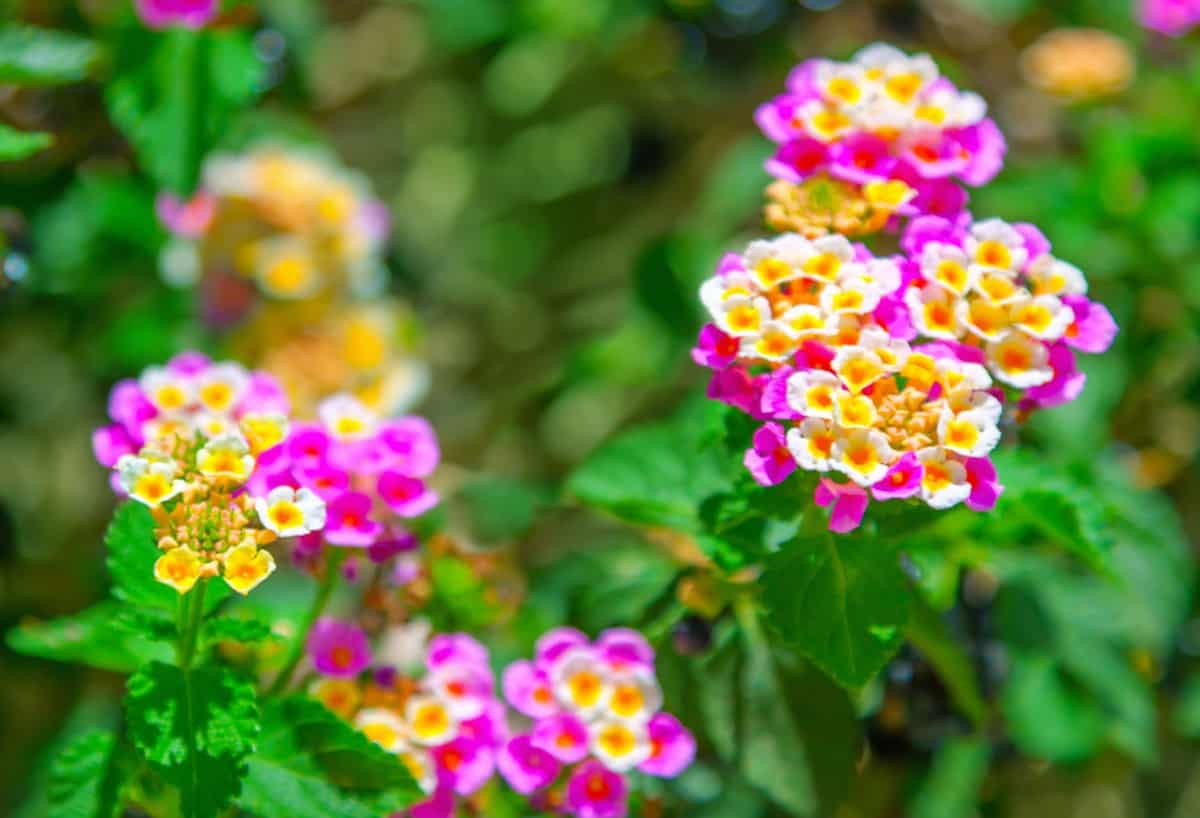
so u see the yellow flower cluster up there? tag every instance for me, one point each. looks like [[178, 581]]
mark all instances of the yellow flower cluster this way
[[294, 223], [821, 205]]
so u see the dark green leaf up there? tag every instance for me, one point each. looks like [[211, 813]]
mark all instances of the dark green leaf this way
[[229, 629], [928, 632], [1047, 716], [284, 781], [501, 509], [348, 757], [16, 144], [195, 727], [1186, 717], [39, 56], [84, 777], [842, 601], [657, 474], [98, 637], [773, 756]]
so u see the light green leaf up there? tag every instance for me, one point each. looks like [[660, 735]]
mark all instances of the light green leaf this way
[[1047, 716], [951, 790], [39, 56], [284, 781], [349, 758], [195, 727], [96, 637], [16, 144], [84, 778], [842, 601]]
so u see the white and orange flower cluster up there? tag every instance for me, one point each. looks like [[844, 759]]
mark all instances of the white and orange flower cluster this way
[[292, 222], [186, 440], [893, 373]]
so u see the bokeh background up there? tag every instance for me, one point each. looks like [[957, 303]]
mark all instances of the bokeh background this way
[[561, 175]]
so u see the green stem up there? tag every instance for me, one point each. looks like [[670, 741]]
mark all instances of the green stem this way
[[191, 66], [191, 614], [296, 650]]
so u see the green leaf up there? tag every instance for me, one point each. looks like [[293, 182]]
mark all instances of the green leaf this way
[[132, 552], [1186, 716], [1048, 716], [349, 758], [176, 102], [230, 629], [657, 474], [773, 756], [96, 637], [502, 509], [842, 601], [951, 790], [84, 778], [460, 599], [16, 144], [39, 56], [195, 727], [928, 632], [285, 781]]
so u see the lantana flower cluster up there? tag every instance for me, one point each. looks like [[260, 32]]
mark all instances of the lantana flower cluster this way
[[591, 716], [370, 472], [595, 717], [446, 724], [880, 135], [199, 429], [894, 372], [291, 222]]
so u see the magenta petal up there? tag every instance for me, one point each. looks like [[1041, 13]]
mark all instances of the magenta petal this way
[[525, 767], [674, 747]]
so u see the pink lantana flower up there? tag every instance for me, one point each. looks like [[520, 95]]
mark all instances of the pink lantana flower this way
[[672, 747], [186, 13], [849, 503], [338, 649]]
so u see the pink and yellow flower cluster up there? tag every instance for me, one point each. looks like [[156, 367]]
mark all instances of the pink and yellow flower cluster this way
[[887, 123], [446, 724], [893, 372], [589, 712], [594, 713], [187, 440], [371, 473]]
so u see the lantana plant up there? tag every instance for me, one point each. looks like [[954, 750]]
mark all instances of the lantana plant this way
[[893, 371]]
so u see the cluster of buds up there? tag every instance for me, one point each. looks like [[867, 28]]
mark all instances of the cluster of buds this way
[[890, 371], [595, 717], [291, 222], [206, 526], [371, 474], [886, 125], [446, 726]]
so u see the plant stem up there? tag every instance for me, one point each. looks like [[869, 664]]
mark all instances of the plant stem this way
[[296, 650], [191, 614], [191, 65]]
